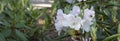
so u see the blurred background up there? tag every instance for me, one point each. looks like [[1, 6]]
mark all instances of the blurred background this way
[[42, 3]]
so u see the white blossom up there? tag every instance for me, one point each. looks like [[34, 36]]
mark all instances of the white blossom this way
[[59, 20], [73, 20], [88, 19], [62, 18], [89, 15], [75, 10]]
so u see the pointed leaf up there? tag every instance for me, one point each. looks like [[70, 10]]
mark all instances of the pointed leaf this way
[[111, 37], [2, 38], [6, 32], [21, 36]]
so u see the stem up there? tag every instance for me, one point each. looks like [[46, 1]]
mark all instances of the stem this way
[[119, 31], [93, 32]]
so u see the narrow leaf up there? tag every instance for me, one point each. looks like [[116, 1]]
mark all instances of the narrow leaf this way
[[111, 37], [21, 36], [2, 38]]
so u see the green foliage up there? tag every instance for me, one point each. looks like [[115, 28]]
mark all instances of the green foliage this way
[[2, 38], [17, 19], [20, 35], [111, 38]]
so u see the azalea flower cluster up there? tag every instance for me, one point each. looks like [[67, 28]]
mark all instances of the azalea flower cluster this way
[[73, 20]]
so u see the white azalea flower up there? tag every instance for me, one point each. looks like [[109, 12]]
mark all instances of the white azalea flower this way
[[62, 21], [88, 19], [59, 20], [70, 1], [73, 20], [61, 17], [89, 15], [75, 10]]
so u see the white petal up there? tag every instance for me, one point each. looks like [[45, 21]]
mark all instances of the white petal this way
[[78, 27], [75, 22], [86, 26], [89, 14], [58, 27], [75, 10], [59, 12]]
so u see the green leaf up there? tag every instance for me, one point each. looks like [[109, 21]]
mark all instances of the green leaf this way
[[1, 7], [21, 36], [34, 30], [106, 12], [2, 38], [6, 32], [62, 36], [9, 13], [67, 9], [20, 25], [2, 16], [11, 40], [27, 27], [5, 22], [111, 37]]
